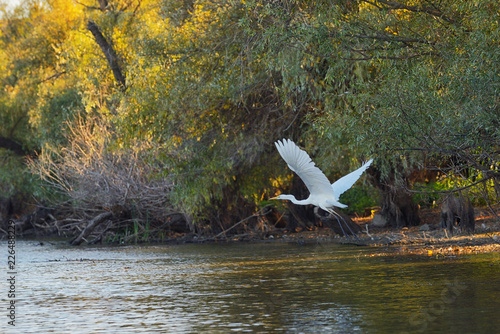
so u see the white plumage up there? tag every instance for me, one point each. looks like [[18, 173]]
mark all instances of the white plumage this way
[[322, 193]]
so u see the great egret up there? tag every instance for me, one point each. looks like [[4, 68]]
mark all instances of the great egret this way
[[321, 192]]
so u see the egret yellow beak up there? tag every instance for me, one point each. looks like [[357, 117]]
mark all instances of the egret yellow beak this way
[[276, 197]]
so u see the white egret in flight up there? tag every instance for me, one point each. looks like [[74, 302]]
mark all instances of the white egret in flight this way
[[321, 192]]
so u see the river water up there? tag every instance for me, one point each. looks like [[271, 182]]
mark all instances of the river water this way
[[261, 287]]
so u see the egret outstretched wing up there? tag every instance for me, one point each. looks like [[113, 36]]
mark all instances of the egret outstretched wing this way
[[322, 193], [299, 161], [346, 181]]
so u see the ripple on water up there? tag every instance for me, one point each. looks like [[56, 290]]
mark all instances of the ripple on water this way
[[243, 288]]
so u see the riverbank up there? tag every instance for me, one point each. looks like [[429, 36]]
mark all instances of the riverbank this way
[[428, 239]]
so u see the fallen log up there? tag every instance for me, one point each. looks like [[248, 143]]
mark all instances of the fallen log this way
[[96, 221], [39, 221]]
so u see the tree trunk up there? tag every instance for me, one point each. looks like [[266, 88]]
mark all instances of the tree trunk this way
[[399, 209], [109, 52], [397, 205], [457, 211], [300, 216]]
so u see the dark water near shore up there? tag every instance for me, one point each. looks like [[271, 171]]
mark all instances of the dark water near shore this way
[[262, 288]]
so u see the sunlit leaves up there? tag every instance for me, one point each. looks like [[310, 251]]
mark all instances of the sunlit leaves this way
[[210, 85]]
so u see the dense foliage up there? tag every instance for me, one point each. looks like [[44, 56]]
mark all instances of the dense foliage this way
[[186, 97]]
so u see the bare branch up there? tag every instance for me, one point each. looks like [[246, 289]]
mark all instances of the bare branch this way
[[415, 55], [90, 227], [87, 6], [394, 39], [416, 9]]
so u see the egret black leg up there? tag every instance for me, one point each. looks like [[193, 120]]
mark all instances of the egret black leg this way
[[350, 230], [340, 224], [337, 216]]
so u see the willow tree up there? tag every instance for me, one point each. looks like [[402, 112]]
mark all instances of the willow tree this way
[[207, 104], [412, 82], [430, 99], [35, 97], [205, 88]]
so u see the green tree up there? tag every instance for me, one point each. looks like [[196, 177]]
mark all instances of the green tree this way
[[33, 103], [200, 90], [409, 81], [208, 103]]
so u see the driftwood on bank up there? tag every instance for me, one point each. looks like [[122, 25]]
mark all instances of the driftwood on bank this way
[[96, 221], [39, 222]]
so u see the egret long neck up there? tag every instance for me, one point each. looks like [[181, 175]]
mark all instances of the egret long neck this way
[[301, 202], [296, 201]]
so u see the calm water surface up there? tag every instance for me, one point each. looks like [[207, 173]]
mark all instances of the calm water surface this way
[[249, 288]]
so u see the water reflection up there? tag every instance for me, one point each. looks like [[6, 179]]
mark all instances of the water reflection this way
[[251, 288]]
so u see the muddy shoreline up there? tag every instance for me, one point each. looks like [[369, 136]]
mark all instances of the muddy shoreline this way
[[427, 239]]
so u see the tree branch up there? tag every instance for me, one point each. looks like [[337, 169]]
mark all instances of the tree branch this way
[[109, 52], [88, 7], [393, 57], [417, 9], [90, 227], [13, 146], [394, 39]]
